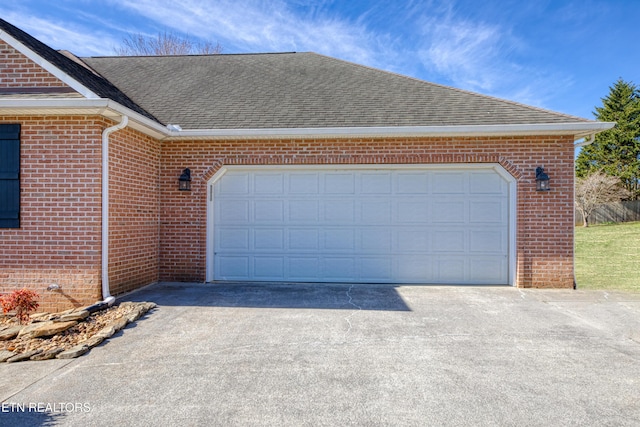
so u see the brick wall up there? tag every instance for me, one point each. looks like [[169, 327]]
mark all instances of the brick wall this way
[[59, 239], [544, 223], [134, 211], [59, 236], [18, 71]]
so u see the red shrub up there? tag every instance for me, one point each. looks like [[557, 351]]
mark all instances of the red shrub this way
[[22, 301]]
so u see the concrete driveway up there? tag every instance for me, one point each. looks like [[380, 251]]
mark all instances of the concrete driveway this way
[[269, 354]]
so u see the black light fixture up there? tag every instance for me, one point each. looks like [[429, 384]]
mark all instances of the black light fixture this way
[[542, 180], [184, 182]]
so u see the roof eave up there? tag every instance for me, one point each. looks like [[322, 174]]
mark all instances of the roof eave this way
[[113, 110], [80, 106], [578, 130]]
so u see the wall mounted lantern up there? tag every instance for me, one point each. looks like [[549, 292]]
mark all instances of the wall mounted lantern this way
[[184, 182], [542, 180]]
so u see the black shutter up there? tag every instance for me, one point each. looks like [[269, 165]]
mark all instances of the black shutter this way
[[9, 176]]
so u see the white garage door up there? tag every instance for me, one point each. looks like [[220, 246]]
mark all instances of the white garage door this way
[[396, 225]]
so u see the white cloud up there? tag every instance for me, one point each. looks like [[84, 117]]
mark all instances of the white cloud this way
[[484, 57], [255, 26], [63, 35], [420, 38], [470, 54]]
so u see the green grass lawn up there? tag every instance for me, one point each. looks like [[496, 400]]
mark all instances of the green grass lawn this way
[[608, 257]]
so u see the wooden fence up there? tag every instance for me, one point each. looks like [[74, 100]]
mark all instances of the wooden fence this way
[[613, 212]]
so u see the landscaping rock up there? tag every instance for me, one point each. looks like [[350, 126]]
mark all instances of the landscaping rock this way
[[93, 341], [107, 331], [39, 317], [10, 333], [51, 328], [74, 316], [119, 324], [24, 356], [65, 335], [26, 330], [74, 352], [6, 355], [48, 354]]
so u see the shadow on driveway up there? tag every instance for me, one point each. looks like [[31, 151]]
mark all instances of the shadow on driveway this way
[[275, 295]]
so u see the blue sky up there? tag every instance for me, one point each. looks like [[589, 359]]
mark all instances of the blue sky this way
[[557, 54]]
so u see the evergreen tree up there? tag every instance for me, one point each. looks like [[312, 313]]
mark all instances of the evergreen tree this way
[[616, 152]]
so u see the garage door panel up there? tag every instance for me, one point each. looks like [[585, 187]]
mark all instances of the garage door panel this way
[[234, 239], [384, 226], [487, 183], [303, 211], [303, 268], [267, 239], [450, 270], [268, 183], [268, 211], [443, 211], [450, 241], [234, 184], [339, 268], [487, 241], [408, 240], [409, 212], [412, 183], [449, 183], [414, 269], [376, 269], [233, 211], [232, 267], [339, 183], [342, 239], [487, 211], [340, 211], [375, 240], [303, 183], [489, 270], [375, 212], [375, 183], [304, 239], [268, 267]]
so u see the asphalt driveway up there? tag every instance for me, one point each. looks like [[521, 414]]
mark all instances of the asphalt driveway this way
[[269, 354]]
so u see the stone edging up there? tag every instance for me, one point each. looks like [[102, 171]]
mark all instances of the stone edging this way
[[47, 325]]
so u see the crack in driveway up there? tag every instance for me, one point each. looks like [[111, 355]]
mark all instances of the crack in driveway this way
[[348, 318]]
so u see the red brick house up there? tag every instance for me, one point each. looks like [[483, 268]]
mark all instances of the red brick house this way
[[302, 168]]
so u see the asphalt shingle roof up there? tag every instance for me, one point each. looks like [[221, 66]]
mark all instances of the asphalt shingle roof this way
[[299, 90]]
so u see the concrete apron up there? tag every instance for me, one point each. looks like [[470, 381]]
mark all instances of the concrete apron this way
[[321, 354]]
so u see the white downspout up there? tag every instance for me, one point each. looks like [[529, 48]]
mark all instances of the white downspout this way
[[106, 294]]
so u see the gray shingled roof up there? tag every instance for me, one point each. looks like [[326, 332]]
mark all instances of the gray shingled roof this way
[[299, 90]]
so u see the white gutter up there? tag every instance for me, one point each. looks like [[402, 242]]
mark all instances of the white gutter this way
[[588, 140], [578, 129], [106, 294], [111, 109]]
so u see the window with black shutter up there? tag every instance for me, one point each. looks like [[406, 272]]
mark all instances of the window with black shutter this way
[[9, 176]]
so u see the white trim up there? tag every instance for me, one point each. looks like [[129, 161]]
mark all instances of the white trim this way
[[511, 182], [577, 129], [46, 65], [109, 108]]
